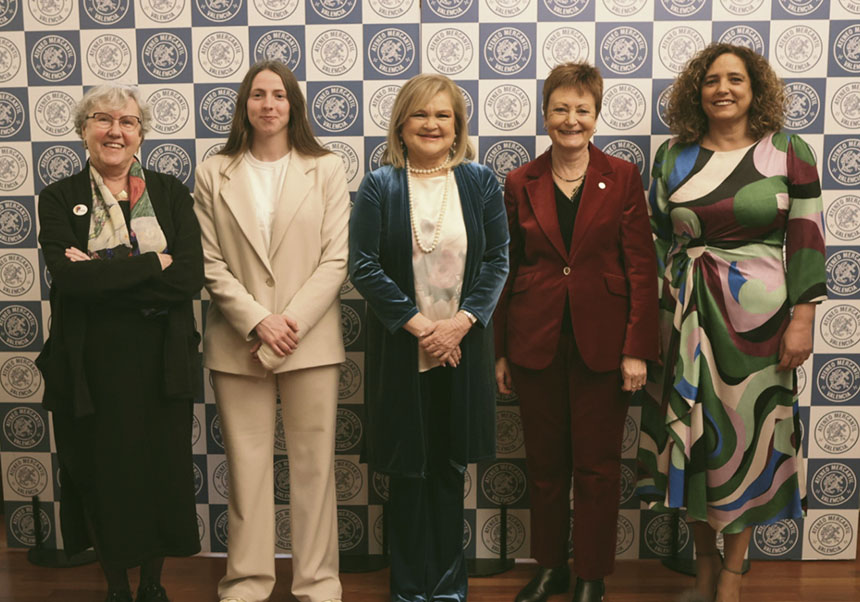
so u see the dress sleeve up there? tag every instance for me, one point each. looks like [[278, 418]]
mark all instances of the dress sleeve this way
[[806, 275], [658, 208]]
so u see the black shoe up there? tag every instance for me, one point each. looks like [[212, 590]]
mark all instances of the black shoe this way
[[118, 596], [151, 592], [546, 583], [589, 591]]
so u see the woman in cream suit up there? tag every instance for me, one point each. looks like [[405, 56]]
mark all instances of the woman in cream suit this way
[[273, 208]]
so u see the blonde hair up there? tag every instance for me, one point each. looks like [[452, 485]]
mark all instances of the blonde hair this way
[[415, 94]]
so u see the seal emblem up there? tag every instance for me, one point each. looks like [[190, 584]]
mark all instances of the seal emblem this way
[[624, 50], [347, 479], [19, 375], [678, 46], [109, 56], [283, 530], [15, 220], [106, 12], [333, 10], [467, 533], [503, 483], [852, 6], [802, 105], [282, 481], [23, 426], [631, 434], [744, 35], [50, 13], [381, 103], [217, 108], [565, 8], [391, 51], [843, 272], [843, 163], [491, 533], [831, 534], [56, 163], [27, 476], [450, 51], [683, 8], [212, 150], [164, 55], [220, 529], [348, 429], [215, 431], [335, 108], [834, 483], [350, 379], [840, 326], [351, 324], [507, 107], [800, 8], [8, 11], [350, 530], [839, 378], [16, 274], [10, 60], [375, 159], [195, 429], [380, 485], [221, 480], [171, 159], [162, 11], [170, 111], [276, 10], [22, 527], [658, 534], [504, 156], [54, 111], [221, 54], [219, 11], [624, 8], [334, 52], [509, 432], [627, 150], [843, 217], [564, 44], [198, 479], [845, 106], [278, 45], [507, 51], [799, 48], [776, 539], [18, 326], [846, 49], [623, 106], [628, 484], [801, 380], [624, 535], [449, 9], [837, 432], [11, 115], [53, 58]]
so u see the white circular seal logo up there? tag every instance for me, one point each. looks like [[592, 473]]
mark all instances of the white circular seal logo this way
[[623, 106], [658, 534], [507, 107], [391, 51], [624, 535], [802, 105], [50, 12], [164, 55], [631, 434], [624, 50], [678, 46], [744, 35], [170, 111], [799, 48], [53, 112], [741, 7], [624, 8], [18, 326], [503, 483], [162, 11], [221, 54], [215, 431], [22, 527], [276, 10], [846, 48], [834, 483], [19, 376], [509, 432], [347, 154], [350, 379], [334, 52], [565, 8], [348, 430], [627, 150], [852, 6], [16, 274], [350, 530], [333, 10], [23, 426], [390, 9], [10, 59], [53, 58], [564, 44], [839, 378], [801, 379], [217, 108], [628, 484], [507, 51], [837, 432], [831, 534], [219, 11], [800, 8], [843, 163], [840, 326], [381, 103], [449, 9], [335, 108], [109, 56], [505, 156], [11, 115], [776, 539], [58, 162], [347, 480], [15, 220], [172, 159], [843, 272], [450, 51], [278, 46], [845, 106], [843, 217], [491, 533], [106, 12]]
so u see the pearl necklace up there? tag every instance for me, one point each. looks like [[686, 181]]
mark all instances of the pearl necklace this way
[[437, 229], [439, 167]]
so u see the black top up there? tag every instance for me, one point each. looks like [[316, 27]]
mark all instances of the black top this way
[[566, 208]]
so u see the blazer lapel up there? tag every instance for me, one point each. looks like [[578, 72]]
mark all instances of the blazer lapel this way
[[234, 192], [598, 185], [541, 194], [297, 187]]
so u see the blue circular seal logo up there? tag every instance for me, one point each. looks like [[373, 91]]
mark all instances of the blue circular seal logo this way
[[450, 51], [381, 483], [10, 60], [565, 8], [162, 11], [627, 150], [11, 115], [276, 10], [172, 159], [507, 107], [350, 530], [24, 427], [23, 529], [802, 105], [834, 484], [744, 35], [564, 44], [53, 113], [507, 51], [220, 528], [623, 106], [56, 163], [843, 272], [219, 11], [741, 7], [335, 108], [351, 323], [845, 106], [13, 169], [839, 379], [109, 56], [19, 375], [628, 484], [840, 327], [51, 12], [221, 54], [683, 8], [8, 11], [391, 51], [843, 217], [624, 8], [678, 46], [280, 439], [391, 9], [15, 221], [491, 533], [215, 431], [164, 55], [449, 9], [375, 160], [799, 48], [170, 111], [658, 534], [282, 480], [837, 432], [624, 50], [217, 108], [53, 58], [333, 9], [843, 163], [348, 429], [800, 8], [503, 483], [198, 479], [381, 103], [350, 378], [283, 532], [348, 481], [18, 326], [776, 539], [505, 156], [509, 432], [831, 534], [846, 48], [106, 12], [631, 434], [334, 52], [221, 479], [278, 46], [347, 155]]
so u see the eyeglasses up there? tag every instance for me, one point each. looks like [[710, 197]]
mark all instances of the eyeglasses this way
[[104, 121]]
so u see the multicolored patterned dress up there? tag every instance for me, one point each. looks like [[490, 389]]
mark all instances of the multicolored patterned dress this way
[[740, 241]]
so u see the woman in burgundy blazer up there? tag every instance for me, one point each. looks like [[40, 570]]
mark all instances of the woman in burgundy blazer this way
[[574, 326]]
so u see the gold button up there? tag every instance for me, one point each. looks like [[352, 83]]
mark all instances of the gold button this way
[[566, 270], [270, 282]]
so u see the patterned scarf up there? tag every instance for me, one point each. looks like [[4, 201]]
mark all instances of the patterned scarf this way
[[109, 235]]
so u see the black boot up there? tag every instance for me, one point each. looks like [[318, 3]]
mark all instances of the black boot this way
[[546, 583], [151, 592], [589, 591]]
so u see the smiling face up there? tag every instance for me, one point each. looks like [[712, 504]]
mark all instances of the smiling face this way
[[727, 90], [112, 149], [268, 107], [571, 115], [429, 132]]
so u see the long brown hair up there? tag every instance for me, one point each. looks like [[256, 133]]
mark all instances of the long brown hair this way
[[299, 132]]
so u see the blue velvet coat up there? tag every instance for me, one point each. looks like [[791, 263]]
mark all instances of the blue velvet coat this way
[[380, 267]]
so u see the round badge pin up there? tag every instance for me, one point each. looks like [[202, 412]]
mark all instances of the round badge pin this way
[[80, 209], [601, 185]]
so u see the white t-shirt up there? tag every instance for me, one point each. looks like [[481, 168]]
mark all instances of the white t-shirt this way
[[267, 182]]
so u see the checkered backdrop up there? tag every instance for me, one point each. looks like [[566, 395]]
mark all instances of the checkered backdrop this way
[[351, 56]]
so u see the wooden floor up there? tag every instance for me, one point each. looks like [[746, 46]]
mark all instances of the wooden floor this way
[[194, 580]]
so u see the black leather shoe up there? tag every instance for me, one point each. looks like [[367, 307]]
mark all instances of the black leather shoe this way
[[589, 591], [118, 596], [151, 592], [546, 583]]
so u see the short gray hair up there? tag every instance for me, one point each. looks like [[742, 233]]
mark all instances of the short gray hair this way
[[112, 96]]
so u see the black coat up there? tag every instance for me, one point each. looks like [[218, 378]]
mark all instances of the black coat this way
[[133, 282]]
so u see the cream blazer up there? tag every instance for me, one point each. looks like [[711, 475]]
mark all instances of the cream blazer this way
[[300, 275]]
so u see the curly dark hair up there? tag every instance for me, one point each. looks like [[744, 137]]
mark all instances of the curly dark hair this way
[[685, 115]]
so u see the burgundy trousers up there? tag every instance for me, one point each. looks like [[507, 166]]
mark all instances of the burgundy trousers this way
[[573, 421]]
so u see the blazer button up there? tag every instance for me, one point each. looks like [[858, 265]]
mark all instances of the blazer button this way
[[566, 270], [270, 281]]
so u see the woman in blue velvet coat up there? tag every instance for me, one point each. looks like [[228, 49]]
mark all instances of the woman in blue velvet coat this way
[[428, 250]]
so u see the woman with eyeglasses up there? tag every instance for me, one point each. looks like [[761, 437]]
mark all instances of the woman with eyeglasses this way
[[121, 366]]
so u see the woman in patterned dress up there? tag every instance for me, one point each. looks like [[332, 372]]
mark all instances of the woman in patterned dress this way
[[736, 210]]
